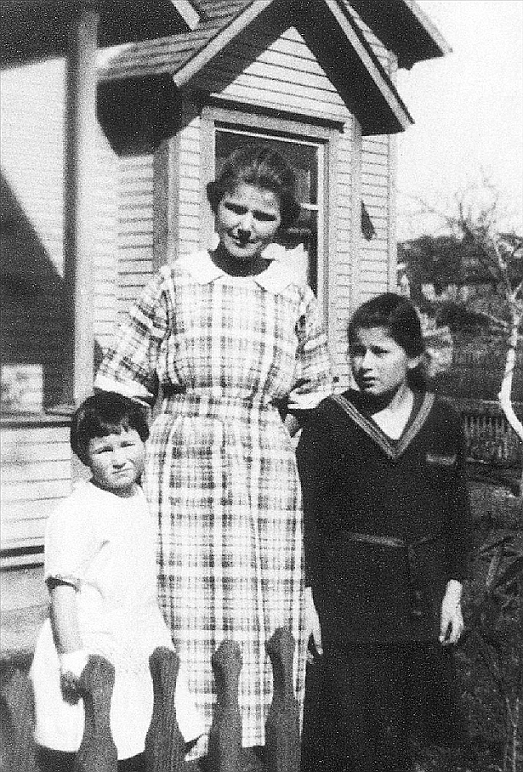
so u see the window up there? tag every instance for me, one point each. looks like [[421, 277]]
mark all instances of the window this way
[[307, 159]]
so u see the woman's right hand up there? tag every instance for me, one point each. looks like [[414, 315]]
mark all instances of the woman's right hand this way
[[312, 621]]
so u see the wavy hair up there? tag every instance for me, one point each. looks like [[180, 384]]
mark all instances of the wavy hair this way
[[264, 167]]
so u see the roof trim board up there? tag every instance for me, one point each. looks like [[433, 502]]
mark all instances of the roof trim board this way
[[431, 30], [373, 67], [403, 27], [188, 12], [219, 41], [357, 74]]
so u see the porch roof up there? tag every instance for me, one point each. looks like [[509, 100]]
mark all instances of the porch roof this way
[[327, 27], [37, 29]]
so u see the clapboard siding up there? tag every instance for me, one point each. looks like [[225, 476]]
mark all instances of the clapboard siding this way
[[190, 194], [106, 240], [343, 265], [375, 269], [36, 476], [135, 227], [284, 73]]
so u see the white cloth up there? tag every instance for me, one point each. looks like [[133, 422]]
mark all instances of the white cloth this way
[[104, 545]]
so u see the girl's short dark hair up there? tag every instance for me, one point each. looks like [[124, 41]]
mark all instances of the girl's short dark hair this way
[[260, 165], [105, 413], [398, 316]]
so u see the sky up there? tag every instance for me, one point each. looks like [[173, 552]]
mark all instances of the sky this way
[[468, 113]]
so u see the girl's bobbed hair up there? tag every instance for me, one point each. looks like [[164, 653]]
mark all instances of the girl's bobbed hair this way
[[396, 314], [264, 167], [105, 413]]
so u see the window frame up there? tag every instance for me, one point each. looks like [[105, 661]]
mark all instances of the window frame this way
[[323, 135]]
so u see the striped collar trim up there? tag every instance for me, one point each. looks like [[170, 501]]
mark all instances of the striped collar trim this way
[[392, 450], [276, 278]]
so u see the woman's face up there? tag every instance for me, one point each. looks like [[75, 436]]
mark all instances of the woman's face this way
[[380, 365], [247, 220]]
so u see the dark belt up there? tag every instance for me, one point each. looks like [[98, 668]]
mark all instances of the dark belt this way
[[417, 602]]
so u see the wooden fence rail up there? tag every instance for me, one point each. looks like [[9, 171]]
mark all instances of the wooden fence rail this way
[[164, 744], [489, 437]]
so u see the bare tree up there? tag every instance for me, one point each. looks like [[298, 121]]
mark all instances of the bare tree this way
[[495, 257]]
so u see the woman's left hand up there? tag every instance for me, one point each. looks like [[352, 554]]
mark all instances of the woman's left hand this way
[[451, 624]]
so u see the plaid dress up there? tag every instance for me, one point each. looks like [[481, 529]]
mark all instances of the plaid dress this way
[[221, 473]]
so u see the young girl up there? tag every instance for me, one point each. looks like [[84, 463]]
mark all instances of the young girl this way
[[101, 573], [387, 537]]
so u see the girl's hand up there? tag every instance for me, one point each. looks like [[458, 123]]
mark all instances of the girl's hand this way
[[451, 624], [312, 621], [72, 664]]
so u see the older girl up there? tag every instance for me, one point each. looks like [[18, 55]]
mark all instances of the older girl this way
[[387, 538], [229, 335]]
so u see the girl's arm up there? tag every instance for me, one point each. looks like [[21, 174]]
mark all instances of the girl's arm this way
[[451, 621], [64, 618], [459, 535], [66, 631]]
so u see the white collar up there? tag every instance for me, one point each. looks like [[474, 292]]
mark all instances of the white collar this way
[[282, 270]]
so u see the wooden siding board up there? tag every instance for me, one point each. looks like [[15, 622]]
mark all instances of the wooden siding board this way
[[273, 76], [36, 475]]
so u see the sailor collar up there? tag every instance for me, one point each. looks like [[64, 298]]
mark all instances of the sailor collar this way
[[393, 449], [276, 278]]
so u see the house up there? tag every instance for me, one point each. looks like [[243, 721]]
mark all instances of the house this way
[[114, 117]]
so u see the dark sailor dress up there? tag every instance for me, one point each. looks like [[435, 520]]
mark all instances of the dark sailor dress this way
[[387, 525]]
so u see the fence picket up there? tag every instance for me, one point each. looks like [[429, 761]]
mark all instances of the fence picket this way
[[282, 729], [164, 743], [97, 752], [225, 736]]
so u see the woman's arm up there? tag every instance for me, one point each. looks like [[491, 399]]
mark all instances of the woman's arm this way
[[312, 376], [129, 366], [315, 465]]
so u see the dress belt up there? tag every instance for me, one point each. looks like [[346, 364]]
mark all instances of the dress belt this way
[[417, 602]]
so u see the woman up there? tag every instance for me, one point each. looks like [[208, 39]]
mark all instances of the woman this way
[[230, 336], [387, 540]]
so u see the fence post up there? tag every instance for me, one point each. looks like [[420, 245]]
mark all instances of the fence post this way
[[225, 736], [164, 743], [282, 729], [97, 752]]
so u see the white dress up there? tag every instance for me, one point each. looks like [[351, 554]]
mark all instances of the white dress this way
[[104, 545]]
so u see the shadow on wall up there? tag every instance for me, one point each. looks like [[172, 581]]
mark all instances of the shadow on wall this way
[[32, 304]]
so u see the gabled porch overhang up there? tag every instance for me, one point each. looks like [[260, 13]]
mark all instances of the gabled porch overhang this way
[[327, 28]]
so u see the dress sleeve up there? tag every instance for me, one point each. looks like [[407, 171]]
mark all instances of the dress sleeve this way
[[316, 463], [129, 366], [459, 521], [70, 545], [313, 376]]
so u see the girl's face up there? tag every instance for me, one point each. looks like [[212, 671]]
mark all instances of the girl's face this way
[[117, 461], [380, 365], [247, 220]]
